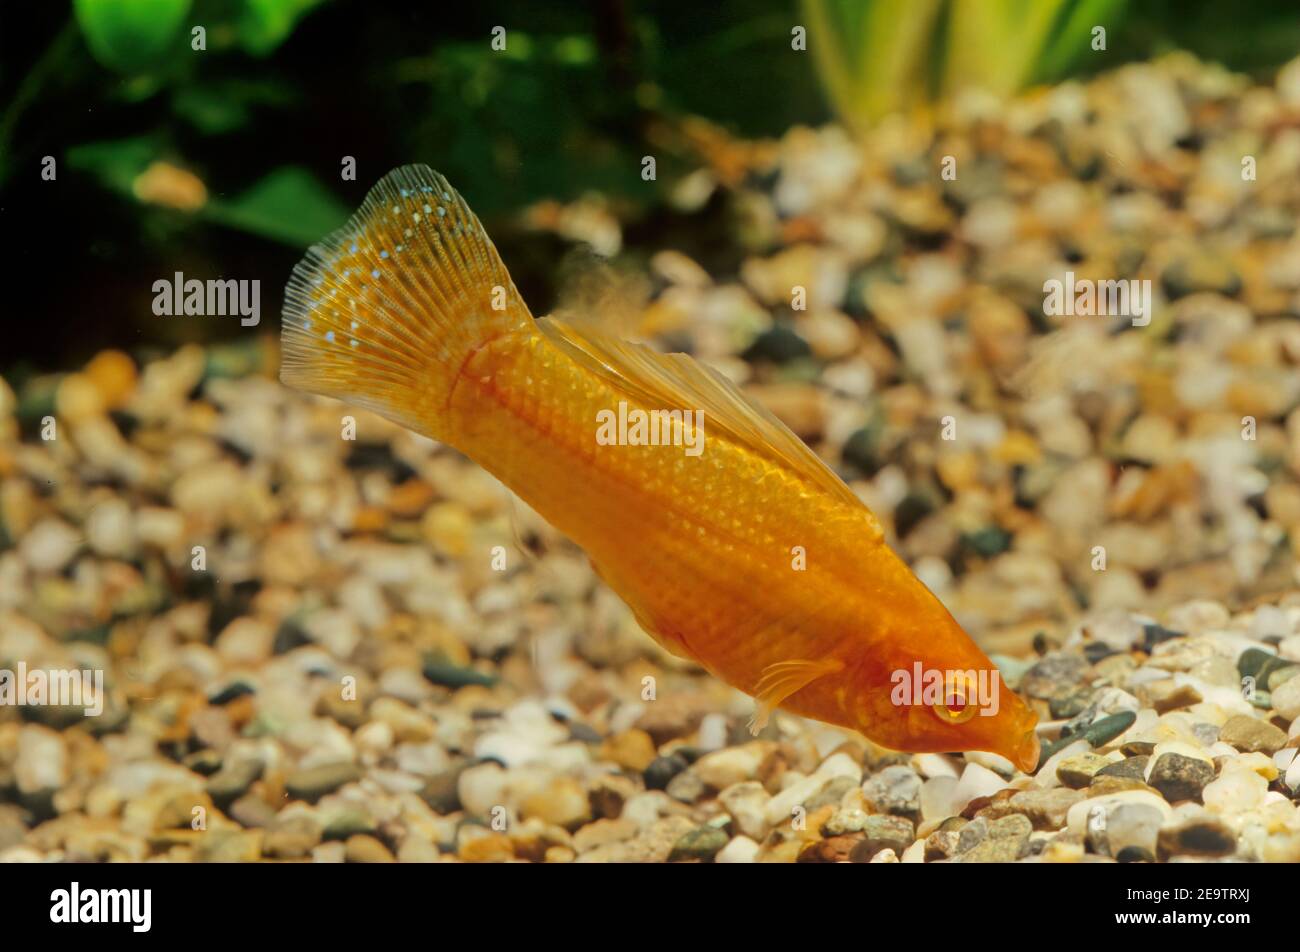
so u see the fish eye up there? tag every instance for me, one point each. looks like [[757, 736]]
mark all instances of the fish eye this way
[[955, 707]]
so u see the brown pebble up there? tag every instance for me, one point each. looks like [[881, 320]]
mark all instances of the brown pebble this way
[[491, 848], [1252, 734], [362, 848], [1131, 768], [834, 849]]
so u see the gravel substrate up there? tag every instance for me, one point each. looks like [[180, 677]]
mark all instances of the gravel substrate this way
[[375, 655]]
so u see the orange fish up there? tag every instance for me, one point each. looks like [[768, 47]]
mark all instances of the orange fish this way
[[733, 543]]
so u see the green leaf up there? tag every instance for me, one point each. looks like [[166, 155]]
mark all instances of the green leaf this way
[[208, 110], [116, 162], [130, 36], [875, 57], [994, 45], [265, 24], [1072, 39], [288, 205], [220, 106]]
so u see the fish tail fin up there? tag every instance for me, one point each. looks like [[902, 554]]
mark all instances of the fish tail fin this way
[[384, 312]]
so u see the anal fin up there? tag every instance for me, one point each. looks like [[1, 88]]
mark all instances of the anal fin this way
[[670, 644], [782, 679]]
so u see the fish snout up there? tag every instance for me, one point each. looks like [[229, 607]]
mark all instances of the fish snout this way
[[1027, 752]]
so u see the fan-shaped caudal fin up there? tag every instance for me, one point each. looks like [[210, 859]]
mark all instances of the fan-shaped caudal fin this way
[[383, 313]]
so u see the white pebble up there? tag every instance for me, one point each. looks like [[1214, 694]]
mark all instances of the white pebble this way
[[780, 808], [1236, 791], [1077, 818], [49, 545], [1269, 620], [482, 787], [914, 853], [937, 798], [42, 759], [934, 765], [109, 530], [976, 781], [374, 738], [713, 732], [1286, 698], [741, 849], [996, 763], [840, 765]]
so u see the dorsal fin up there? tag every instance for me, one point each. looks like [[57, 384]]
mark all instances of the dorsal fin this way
[[668, 381]]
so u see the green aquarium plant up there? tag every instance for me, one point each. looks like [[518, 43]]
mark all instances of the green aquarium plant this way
[[876, 57], [135, 36]]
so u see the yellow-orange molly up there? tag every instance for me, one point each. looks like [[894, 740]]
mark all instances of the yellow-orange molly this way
[[747, 555]]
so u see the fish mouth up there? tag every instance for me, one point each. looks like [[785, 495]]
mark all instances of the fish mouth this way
[[1027, 752]]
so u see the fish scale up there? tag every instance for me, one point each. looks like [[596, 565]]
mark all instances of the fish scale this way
[[627, 492]]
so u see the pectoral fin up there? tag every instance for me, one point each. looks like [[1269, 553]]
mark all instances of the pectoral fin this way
[[779, 681]]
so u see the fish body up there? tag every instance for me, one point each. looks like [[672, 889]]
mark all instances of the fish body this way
[[733, 544]]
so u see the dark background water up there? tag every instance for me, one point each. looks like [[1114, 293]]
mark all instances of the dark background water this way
[[564, 110], [265, 114]]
